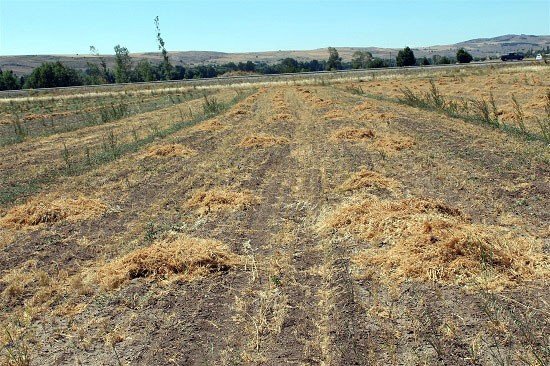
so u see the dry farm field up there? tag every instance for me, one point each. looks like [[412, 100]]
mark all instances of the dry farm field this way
[[374, 220]]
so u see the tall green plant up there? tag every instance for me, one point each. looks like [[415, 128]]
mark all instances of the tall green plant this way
[[123, 65], [166, 65]]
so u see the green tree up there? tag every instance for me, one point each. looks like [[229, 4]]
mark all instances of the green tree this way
[[405, 57], [424, 61], [289, 65], [8, 80], [463, 57], [98, 74], [377, 63], [144, 71], [334, 60], [123, 65], [440, 60], [360, 59], [167, 67], [52, 74]]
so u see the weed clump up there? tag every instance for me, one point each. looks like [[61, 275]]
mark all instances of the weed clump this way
[[41, 211], [424, 240], [174, 254], [211, 106]]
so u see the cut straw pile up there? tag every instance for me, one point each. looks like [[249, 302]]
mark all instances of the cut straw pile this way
[[368, 179], [41, 210], [220, 200], [210, 125], [258, 141], [335, 114], [428, 241], [168, 151], [391, 143], [354, 134], [175, 254]]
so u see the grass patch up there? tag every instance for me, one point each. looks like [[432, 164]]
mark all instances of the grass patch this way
[[111, 152], [479, 111], [43, 125]]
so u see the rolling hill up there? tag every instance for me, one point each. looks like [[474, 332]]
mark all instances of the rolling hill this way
[[24, 64]]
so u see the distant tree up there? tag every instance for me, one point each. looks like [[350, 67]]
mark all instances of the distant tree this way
[[145, 71], [440, 60], [189, 73], [167, 67], [98, 74], [249, 66], [52, 74], [424, 61], [463, 57], [360, 59], [179, 72], [314, 65], [334, 60], [405, 57], [288, 65], [93, 75], [376, 63], [230, 66], [8, 80], [123, 65]]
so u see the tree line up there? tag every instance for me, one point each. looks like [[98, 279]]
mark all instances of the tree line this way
[[126, 70]]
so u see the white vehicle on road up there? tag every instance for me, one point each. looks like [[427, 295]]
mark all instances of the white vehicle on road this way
[[539, 57]]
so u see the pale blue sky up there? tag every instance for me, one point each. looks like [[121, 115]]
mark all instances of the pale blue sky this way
[[68, 27]]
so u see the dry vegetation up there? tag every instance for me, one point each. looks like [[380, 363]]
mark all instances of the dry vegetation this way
[[220, 199], [429, 241], [46, 211], [306, 222], [262, 141], [168, 150], [174, 254]]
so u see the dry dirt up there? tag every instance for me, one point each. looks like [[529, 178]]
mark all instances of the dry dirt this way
[[353, 231]]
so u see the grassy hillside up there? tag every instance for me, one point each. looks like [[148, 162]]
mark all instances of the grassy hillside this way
[[24, 64]]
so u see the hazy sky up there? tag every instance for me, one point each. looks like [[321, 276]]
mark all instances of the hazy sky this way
[[68, 27]]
